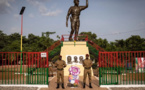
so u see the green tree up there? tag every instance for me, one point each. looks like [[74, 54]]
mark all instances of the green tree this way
[[11, 43], [3, 40], [102, 43], [13, 47], [91, 36], [120, 44], [135, 43]]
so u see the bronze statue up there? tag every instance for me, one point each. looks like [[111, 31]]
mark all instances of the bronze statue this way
[[76, 59], [75, 11], [81, 59], [69, 60]]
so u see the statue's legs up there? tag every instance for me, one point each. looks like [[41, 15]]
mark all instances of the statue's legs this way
[[71, 33], [72, 30], [77, 29]]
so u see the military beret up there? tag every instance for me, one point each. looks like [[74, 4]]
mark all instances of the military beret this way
[[87, 54]]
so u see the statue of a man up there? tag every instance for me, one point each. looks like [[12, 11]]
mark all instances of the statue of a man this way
[[75, 11]]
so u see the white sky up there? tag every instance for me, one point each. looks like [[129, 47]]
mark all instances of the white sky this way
[[110, 19]]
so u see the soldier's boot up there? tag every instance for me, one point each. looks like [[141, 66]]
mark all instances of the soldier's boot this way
[[84, 85], [90, 86], [57, 86], [62, 85]]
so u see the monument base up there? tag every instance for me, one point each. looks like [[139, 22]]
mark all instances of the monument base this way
[[71, 48]]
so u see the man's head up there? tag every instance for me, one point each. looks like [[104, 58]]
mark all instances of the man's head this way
[[76, 2], [87, 56]]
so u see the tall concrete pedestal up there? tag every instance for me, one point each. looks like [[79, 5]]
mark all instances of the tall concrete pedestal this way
[[71, 49]]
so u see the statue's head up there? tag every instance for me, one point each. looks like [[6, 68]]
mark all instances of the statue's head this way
[[76, 2], [81, 59], [69, 59], [76, 59]]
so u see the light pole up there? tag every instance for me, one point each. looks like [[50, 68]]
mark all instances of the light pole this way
[[21, 13]]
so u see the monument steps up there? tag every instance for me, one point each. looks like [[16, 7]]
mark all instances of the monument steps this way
[[102, 50]]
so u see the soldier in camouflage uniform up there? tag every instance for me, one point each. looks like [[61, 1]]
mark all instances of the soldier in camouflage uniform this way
[[60, 64], [87, 64]]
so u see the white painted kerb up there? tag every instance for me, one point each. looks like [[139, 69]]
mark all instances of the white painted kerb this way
[[14, 85], [126, 86]]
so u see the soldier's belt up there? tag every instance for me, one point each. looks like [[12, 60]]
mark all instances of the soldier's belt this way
[[87, 67], [59, 69]]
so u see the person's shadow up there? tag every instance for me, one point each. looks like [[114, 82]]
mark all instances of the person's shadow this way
[[94, 81]]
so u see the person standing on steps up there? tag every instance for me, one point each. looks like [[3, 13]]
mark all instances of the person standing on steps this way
[[60, 64], [75, 12], [87, 64]]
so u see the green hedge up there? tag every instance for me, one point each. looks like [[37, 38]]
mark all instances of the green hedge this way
[[93, 52], [55, 52], [94, 66]]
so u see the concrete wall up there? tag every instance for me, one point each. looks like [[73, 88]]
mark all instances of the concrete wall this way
[[68, 48]]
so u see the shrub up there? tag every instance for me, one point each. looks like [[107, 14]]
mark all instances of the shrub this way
[[94, 66]]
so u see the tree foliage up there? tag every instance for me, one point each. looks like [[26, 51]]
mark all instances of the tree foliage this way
[[11, 43], [133, 43], [33, 43]]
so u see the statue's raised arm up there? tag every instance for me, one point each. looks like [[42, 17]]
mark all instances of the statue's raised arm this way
[[74, 14], [84, 7]]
